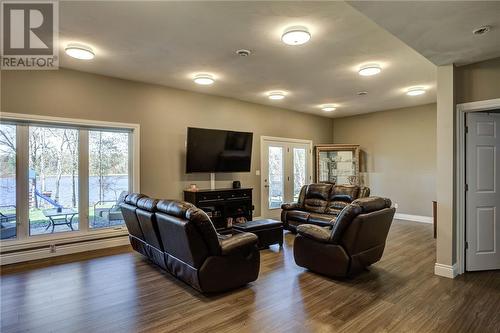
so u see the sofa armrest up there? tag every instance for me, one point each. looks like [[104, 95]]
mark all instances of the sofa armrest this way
[[314, 232], [290, 206], [240, 242]]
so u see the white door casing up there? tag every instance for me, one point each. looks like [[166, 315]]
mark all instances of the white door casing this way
[[483, 193]]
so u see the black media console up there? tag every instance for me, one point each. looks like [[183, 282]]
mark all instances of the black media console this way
[[222, 205]]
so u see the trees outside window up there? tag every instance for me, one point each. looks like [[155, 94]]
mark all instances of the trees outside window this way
[[8, 218], [108, 177], [53, 179]]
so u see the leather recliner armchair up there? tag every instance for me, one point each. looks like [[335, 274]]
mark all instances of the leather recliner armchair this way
[[181, 238], [319, 204], [356, 240]]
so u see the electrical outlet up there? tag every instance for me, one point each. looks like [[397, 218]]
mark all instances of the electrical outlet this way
[[396, 205], [52, 248]]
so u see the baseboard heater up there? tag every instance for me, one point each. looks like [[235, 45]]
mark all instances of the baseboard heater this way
[[63, 248]]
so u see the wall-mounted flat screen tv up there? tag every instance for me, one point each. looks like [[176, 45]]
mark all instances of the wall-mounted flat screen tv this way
[[210, 150]]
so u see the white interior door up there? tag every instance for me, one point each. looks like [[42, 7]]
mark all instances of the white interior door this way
[[286, 166], [483, 194]]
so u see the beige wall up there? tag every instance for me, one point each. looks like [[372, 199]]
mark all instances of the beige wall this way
[[398, 154], [478, 82], [164, 114], [446, 99], [470, 83]]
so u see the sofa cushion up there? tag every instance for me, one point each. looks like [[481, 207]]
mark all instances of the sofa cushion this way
[[316, 197], [297, 216], [350, 190], [148, 204], [336, 206], [320, 234], [132, 198], [346, 216], [372, 204], [206, 228], [321, 219], [174, 207]]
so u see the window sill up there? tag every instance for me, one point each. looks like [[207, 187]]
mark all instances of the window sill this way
[[58, 239]]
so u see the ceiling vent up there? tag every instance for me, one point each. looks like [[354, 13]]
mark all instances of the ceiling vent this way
[[481, 30], [243, 52]]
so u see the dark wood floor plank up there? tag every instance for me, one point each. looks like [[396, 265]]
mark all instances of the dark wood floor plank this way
[[116, 290]]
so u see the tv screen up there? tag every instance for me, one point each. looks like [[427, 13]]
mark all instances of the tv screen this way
[[210, 150]]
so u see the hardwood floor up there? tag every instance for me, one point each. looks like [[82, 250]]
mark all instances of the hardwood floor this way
[[122, 292]]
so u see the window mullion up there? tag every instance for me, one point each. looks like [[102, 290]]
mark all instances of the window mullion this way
[[22, 181], [83, 179]]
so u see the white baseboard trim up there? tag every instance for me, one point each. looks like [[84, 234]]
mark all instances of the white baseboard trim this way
[[446, 270], [414, 218], [59, 250]]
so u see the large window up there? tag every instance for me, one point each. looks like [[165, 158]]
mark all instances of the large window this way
[[8, 221], [53, 179], [108, 177], [62, 179]]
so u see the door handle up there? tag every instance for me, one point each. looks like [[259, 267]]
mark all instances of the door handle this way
[[266, 186]]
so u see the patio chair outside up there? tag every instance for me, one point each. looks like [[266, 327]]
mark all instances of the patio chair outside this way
[[112, 213], [7, 215]]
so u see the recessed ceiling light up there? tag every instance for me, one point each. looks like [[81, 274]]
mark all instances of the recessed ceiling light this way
[[204, 79], [481, 30], [415, 91], [296, 35], [80, 51], [276, 95], [369, 70], [328, 107], [362, 93]]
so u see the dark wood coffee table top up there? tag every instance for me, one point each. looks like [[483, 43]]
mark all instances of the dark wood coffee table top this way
[[259, 225]]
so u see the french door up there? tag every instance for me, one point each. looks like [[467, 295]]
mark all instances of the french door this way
[[286, 166]]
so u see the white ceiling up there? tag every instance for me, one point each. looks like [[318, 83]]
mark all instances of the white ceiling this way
[[440, 30], [167, 42]]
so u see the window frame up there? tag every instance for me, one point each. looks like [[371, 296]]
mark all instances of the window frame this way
[[23, 240]]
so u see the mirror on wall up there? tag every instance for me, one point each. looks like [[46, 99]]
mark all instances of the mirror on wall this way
[[337, 164]]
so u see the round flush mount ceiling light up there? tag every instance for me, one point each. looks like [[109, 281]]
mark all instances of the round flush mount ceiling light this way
[[79, 51], [328, 107], [362, 93], [276, 95], [415, 91], [296, 35], [370, 70], [204, 79], [481, 30]]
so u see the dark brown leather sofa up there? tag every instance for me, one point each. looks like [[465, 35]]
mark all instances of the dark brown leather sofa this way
[[356, 240], [319, 204], [181, 239]]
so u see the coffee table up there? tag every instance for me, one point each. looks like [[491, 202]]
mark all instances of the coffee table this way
[[268, 231]]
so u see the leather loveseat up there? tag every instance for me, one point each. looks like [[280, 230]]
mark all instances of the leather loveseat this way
[[319, 204], [181, 239], [356, 240]]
